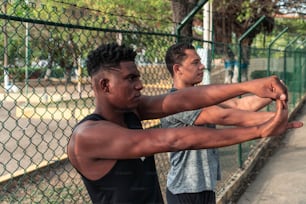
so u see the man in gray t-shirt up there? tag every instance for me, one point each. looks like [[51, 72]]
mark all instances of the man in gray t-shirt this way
[[194, 173], [192, 170]]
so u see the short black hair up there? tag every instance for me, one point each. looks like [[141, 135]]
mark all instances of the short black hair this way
[[107, 56], [176, 54]]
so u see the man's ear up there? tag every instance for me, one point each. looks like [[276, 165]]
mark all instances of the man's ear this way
[[104, 84], [176, 68]]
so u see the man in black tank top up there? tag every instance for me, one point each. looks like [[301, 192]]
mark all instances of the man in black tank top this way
[[112, 152], [130, 180]]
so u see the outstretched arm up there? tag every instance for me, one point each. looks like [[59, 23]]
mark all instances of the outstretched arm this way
[[249, 103], [229, 116], [198, 97], [106, 140]]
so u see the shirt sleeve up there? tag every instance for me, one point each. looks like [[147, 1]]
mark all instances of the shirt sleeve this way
[[186, 118]]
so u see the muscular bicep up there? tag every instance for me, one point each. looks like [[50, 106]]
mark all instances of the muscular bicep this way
[[105, 140]]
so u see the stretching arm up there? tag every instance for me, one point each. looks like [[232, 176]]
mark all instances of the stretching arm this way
[[250, 103], [192, 98], [228, 116]]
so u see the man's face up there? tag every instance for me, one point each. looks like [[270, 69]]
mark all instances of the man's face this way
[[125, 86], [191, 69]]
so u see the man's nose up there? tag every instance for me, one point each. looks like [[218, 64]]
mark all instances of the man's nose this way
[[139, 85]]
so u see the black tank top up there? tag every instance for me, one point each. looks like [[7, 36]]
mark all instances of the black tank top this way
[[130, 181]]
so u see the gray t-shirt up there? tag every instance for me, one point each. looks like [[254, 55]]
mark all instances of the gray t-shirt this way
[[191, 171]]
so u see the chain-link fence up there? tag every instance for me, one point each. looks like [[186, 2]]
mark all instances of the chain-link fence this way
[[45, 91]]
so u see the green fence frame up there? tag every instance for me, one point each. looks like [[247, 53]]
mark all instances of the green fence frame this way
[[38, 114]]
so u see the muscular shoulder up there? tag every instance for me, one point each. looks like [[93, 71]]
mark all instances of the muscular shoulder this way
[[91, 129], [85, 149]]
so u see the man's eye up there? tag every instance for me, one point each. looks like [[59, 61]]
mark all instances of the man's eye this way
[[133, 78], [196, 63]]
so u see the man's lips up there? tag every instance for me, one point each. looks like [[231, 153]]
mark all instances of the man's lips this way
[[137, 96]]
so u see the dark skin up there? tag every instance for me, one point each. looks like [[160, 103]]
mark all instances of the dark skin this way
[[95, 146]]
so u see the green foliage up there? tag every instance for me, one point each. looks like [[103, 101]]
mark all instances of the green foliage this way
[[145, 14], [263, 73], [246, 11], [17, 74], [64, 46], [295, 26]]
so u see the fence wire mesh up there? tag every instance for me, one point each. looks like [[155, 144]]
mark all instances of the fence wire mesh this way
[[45, 91]]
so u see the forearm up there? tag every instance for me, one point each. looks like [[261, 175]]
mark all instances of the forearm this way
[[244, 118], [207, 95], [251, 103], [264, 90], [229, 116], [254, 103], [202, 96], [186, 99], [203, 138]]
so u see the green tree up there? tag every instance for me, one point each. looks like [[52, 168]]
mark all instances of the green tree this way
[[138, 16]]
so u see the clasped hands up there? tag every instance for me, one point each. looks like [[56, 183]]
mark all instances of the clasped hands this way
[[274, 88]]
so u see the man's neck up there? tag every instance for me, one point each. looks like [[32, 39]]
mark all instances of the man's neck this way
[[110, 114], [181, 85]]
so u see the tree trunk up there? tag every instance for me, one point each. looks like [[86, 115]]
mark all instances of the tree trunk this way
[[181, 9]]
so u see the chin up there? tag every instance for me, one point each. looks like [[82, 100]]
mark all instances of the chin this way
[[197, 81], [132, 106]]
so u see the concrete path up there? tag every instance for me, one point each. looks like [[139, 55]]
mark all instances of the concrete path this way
[[283, 178]]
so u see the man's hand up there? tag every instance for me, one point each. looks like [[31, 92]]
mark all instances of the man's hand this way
[[269, 87], [279, 123]]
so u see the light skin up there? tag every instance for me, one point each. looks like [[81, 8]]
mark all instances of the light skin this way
[[95, 146], [239, 112]]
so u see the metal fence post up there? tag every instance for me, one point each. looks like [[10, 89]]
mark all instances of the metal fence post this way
[[298, 67], [285, 56], [270, 46], [188, 17], [269, 53], [243, 36]]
